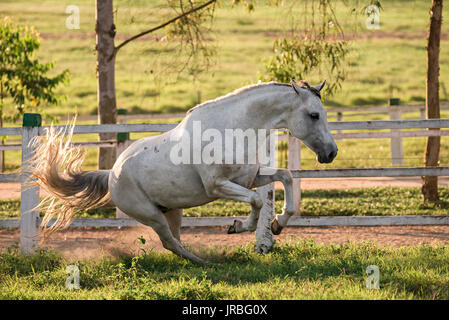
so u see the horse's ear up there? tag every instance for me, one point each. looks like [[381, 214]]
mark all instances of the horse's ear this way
[[320, 86], [295, 86]]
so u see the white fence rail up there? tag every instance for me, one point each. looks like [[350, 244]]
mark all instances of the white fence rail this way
[[338, 112], [29, 220]]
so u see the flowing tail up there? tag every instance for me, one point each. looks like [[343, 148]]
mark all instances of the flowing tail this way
[[56, 167]]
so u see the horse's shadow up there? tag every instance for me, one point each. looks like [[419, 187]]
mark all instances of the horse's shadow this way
[[240, 265]]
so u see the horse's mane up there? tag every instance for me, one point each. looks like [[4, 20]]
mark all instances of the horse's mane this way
[[238, 92], [241, 90]]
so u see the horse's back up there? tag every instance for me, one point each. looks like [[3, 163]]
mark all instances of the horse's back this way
[[145, 168]]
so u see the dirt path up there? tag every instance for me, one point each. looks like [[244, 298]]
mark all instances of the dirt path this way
[[85, 243]]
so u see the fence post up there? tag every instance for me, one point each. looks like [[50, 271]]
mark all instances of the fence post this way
[[294, 163], [339, 118], [2, 155], [29, 198], [396, 143], [422, 113], [122, 144]]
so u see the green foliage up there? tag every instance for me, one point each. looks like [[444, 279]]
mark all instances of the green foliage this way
[[320, 51], [300, 57], [23, 78], [190, 33]]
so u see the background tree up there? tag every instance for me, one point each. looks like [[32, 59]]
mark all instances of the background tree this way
[[24, 81], [187, 27], [432, 152]]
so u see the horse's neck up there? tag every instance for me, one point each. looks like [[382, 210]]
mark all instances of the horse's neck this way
[[259, 108], [269, 108]]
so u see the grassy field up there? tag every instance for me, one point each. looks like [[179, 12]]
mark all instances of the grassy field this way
[[302, 270], [380, 201]]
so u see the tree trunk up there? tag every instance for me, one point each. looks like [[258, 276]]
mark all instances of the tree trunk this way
[[107, 105], [430, 184], [2, 153]]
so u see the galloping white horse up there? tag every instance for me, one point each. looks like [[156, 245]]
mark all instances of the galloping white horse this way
[[150, 187]]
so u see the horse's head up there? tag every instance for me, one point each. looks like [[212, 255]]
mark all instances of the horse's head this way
[[308, 122]]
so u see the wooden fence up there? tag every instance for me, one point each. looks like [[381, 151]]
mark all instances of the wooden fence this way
[[29, 218], [395, 113]]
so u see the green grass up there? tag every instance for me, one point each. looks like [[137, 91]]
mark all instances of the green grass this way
[[296, 270], [379, 201]]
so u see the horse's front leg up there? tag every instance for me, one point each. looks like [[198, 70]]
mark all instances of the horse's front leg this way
[[285, 177], [226, 189]]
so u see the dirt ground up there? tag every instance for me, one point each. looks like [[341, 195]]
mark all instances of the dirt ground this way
[[85, 243]]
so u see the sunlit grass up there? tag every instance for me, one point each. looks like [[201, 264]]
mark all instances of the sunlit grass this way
[[294, 270]]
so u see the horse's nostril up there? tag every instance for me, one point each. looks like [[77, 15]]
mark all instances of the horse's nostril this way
[[332, 155]]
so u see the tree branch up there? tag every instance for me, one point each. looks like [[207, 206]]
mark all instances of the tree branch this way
[[116, 49]]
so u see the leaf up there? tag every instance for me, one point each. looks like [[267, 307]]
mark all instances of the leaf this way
[[141, 240]]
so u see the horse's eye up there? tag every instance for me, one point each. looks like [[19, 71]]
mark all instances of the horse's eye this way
[[315, 115]]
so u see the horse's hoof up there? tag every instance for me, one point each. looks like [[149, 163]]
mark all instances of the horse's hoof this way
[[276, 228], [263, 249], [236, 227]]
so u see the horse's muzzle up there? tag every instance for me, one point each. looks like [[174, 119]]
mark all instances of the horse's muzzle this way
[[327, 157]]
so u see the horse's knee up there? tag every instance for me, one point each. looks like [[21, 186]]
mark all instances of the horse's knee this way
[[287, 179], [257, 201]]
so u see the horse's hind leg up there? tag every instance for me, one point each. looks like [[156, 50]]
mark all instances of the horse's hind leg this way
[[148, 214], [174, 219], [226, 189], [161, 227]]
